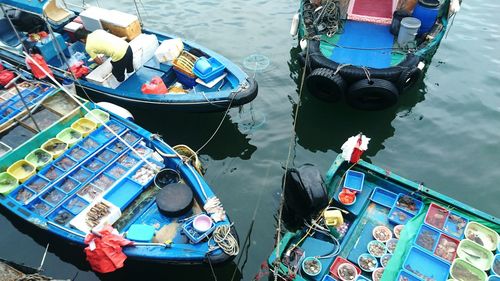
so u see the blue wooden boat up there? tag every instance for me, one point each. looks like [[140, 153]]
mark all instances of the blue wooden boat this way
[[420, 230], [234, 89], [114, 166], [356, 52]]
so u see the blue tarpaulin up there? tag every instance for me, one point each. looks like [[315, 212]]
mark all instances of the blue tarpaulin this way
[[34, 6]]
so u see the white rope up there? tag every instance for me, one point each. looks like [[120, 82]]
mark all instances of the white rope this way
[[225, 239], [90, 112]]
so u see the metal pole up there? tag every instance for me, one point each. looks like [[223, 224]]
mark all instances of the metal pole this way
[[138, 13], [13, 82]]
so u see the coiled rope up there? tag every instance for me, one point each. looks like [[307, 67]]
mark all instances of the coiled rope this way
[[225, 240]]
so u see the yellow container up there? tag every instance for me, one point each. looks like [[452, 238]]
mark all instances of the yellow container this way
[[21, 170], [84, 126], [55, 147]]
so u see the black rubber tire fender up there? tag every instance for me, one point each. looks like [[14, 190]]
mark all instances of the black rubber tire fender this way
[[408, 78], [373, 94], [324, 84]]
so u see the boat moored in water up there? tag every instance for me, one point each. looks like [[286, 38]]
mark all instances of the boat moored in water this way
[[82, 170], [369, 53], [366, 223], [167, 74]]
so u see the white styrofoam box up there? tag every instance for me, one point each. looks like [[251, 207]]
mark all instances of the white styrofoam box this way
[[119, 18], [102, 75], [91, 18], [72, 26], [78, 222], [169, 50], [143, 47]]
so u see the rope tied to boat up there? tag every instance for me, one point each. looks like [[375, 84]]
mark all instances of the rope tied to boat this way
[[367, 73], [225, 240], [340, 66]]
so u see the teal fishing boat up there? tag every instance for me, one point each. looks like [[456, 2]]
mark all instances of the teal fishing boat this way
[[94, 178], [366, 223]]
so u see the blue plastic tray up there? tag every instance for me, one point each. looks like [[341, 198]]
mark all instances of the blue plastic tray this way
[[383, 197], [76, 204], [354, 180], [406, 276], [418, 204], [123, 193], [328, 278], [399, 216], [451, 226], [494, 278], [426, 231], [217, 70], [185, 80], [61, 216], [362, 278], [419, 261]]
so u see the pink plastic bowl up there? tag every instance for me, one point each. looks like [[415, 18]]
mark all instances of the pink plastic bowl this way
[[202, 223]]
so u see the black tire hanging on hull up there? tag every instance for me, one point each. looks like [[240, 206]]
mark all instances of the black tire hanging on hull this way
[[408, 78], [324, 84], [373, 94]]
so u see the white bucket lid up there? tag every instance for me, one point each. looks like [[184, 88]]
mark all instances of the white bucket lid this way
[[411, 22]]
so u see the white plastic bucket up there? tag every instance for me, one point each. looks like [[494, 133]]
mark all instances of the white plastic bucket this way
[[408, 30]]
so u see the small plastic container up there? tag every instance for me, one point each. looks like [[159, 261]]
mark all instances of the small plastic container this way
[[436, 216], [203, 66], [39, 158], [335, 265], [382, 233], [202, 223], [98, 116], [408, 203], [362, 278], [346, 192], [377, 274], [347, 267], [406, 276], [217, 68], [383, 197], [21, 170], [194, 235], [482, 235], [397, 230], [427, 237], [363, 260], [55, 147], [494, 278], [354, 180], [392, 244], [7, 183], [384, 260], [495, 265], [426, 264], [36, 183], [399, 216], [446, 247], [141, 232], [84, 126], [460, 265], [69, 136], [376, 248], [476, 255]]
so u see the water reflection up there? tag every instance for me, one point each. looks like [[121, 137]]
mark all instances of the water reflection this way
[[194, 129], [323, 126]]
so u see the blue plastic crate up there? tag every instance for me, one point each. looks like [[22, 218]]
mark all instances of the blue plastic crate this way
[[65, 163], [22, 194], [399, 216], [81, 175], [418, 203], [77, 152], [67, 184], [53, 196], [48, 49], [383, 197], [362, 278], [425, 237], [406, 276], [36, 183], [328, 278], [61, 216], [76, 204], [354, 180], [105, 156], [217, 68], [451, 226], [51, 172], [40, 207], [186, 80], [123, 193], [426, 264], [494, 278], [89, 144], [194, 235]]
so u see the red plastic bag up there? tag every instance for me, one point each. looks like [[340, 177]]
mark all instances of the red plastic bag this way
[[155, 86], [104, 252], [37, 71], [79, 69], [6, 76]]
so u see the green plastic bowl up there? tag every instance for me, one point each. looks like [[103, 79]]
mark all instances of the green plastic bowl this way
[[7, 183], [102, 116], [470, 251], [69, 136], [460, 265], [39, 158]]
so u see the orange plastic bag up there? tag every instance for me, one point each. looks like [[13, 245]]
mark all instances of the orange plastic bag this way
[[155, 86]]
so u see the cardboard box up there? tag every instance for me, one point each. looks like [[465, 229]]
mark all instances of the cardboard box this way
[[122, 24]]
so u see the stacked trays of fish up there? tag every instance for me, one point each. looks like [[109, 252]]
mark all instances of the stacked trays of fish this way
[[89, 170], [15, 105], [438, 253]]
